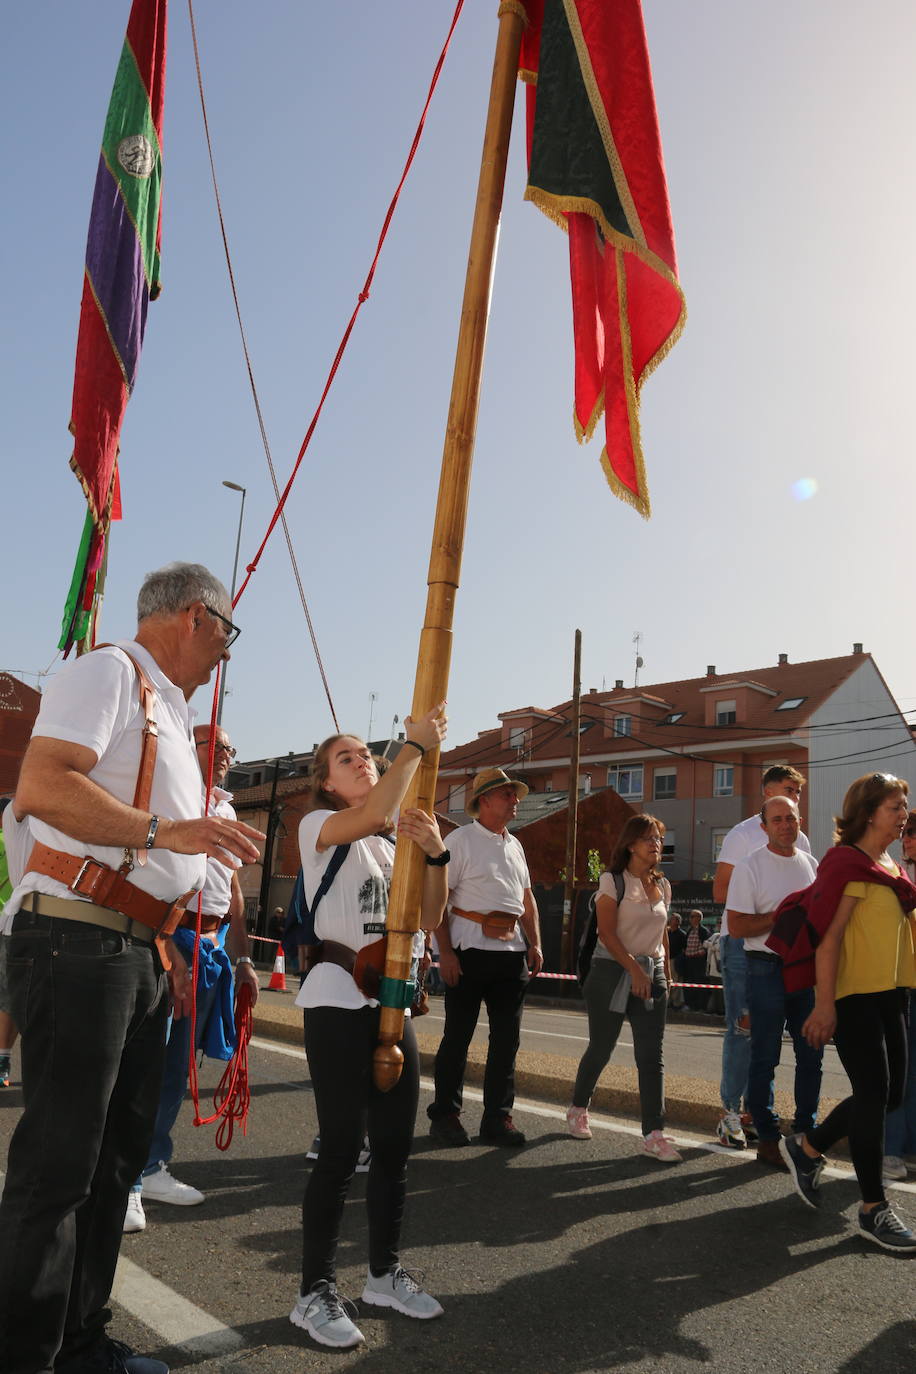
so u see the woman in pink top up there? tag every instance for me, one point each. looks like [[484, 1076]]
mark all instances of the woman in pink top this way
[[629, 977]]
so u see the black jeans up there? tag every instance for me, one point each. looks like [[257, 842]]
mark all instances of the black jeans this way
[[90, 1007], [871, 1040], [499, 979], [339, 1045]]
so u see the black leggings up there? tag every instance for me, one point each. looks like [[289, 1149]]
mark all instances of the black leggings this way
[[871, 1040], [339, 1045]]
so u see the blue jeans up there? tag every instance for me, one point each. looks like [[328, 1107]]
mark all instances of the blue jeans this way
[[773, 1010], [175, 1078], [736, 1047], [900, 1129]]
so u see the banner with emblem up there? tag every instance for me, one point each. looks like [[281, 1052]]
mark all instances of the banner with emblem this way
[[121, 278], [595, 167]]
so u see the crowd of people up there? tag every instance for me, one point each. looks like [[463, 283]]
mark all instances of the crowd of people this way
[[122, 889]]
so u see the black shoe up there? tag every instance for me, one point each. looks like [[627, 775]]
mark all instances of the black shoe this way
[[885, 1228], [499, 1130], [804, 1171], [448, 1130], [114, 1357]]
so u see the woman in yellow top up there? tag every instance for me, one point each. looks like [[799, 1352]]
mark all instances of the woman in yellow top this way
[[865, 964]]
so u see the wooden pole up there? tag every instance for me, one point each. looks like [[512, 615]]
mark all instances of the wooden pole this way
[[431, 682], [572, 816]]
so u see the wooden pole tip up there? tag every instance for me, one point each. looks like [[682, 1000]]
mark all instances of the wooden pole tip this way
[[387, 1063]]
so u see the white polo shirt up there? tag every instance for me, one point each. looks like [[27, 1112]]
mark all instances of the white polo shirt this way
[[95, 702], [486, 872]]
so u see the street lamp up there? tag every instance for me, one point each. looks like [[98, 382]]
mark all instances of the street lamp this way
[[233, 486]]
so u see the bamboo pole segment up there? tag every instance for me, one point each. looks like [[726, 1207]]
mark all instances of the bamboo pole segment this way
[[431, 682], [572, 817]]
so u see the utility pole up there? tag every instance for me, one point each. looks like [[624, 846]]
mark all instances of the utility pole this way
[[572, 817], [268, 860]]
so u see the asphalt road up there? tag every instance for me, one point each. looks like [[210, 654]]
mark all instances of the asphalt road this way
[[566, 1256]]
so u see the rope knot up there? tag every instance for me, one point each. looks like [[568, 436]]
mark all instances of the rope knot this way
[[363, 297]]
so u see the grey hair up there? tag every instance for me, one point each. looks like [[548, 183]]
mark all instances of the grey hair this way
[[176, 587]]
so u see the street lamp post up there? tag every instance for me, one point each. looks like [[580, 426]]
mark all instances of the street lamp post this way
[[233, 486]]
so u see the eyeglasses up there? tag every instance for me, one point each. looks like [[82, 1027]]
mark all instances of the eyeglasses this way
[[232, 631], [218, 748]]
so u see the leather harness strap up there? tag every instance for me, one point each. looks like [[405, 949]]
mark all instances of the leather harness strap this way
[[150, 744], [496, 925], [106, 887]]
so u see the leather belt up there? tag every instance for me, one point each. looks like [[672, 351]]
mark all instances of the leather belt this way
[[107, 887], [762, 954], [365, 966], [64, 909], [208, 924], [496, 925]]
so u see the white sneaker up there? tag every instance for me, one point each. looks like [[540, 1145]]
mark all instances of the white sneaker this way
[[893, 1167], [400, 1290], [134, 1217], [730, 1131], [577, 1123], [659, 1147], [162, 1187], [326, 1316], [365, 1158]]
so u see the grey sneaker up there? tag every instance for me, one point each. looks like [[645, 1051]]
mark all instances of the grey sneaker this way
[[326, 1316], [885, 1228], [400, 1290], [804, 1172]]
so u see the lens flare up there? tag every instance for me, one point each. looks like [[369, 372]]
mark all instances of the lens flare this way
[[804, 489]]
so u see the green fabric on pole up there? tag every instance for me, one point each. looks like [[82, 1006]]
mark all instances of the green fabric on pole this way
[[129, 114], [397, 992], [72, 611]]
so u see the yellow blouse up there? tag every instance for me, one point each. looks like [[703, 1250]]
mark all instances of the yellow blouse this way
[[877, 952]]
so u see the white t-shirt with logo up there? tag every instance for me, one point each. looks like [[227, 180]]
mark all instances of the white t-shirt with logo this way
[[761, 881], [741, 841]]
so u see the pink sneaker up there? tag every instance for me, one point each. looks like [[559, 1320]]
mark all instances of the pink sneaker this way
[[577, 1123], [659, 1147]]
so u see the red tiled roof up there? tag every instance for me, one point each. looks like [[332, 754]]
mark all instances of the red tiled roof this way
[[815, 681]]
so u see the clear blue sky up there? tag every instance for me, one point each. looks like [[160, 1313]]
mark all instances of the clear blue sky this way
[[788, 136]]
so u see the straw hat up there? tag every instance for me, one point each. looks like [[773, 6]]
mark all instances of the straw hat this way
[[488, 779]]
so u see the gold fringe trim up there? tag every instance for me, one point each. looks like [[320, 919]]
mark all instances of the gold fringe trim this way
[[529, 77], [630, 391], [601, 119], [622, 492], [514, 7], [584, 434]]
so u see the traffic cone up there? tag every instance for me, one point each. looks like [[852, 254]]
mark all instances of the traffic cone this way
[[278, 977]]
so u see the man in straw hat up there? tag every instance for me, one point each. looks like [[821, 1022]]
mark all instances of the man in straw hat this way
[[489, 946]]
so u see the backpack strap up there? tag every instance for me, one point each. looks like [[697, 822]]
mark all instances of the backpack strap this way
[[330, 873]]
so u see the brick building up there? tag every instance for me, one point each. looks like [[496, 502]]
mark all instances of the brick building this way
[[19, 705]]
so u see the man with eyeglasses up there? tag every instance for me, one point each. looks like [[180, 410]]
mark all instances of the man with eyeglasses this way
[[223, 940], [111, 787]]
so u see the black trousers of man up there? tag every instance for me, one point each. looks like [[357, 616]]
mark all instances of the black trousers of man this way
[[90, 1005], [498, 979]]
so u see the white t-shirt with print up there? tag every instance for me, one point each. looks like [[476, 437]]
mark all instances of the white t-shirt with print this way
[[761, 881]]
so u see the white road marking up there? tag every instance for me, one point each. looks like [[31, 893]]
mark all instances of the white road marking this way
[[602, 1123], [175, 1320], [553, 1035]]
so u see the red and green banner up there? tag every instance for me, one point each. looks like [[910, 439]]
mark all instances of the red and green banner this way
[[121, 278], [595, 167]]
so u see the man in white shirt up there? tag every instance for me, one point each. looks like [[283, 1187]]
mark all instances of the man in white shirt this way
[[223, 937], [778, 781], [87, 987], [758, 884], [485, 957]]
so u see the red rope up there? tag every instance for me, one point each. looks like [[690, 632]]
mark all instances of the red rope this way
[[363, 297], [233, 1095]]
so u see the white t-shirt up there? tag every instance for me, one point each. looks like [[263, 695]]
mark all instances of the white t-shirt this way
[[741, 841], [17, 840], [351, 913], [486, 872], [761, 881], [216, 893], [95, 702]]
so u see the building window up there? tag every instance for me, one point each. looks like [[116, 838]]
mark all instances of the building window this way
[[668, 847], [456, 798], [673, 718], [626, 782], [723, 784], [517, 737], [790, 703], [548, 786], [664, 784], [623, 725], [718, 837], [726, 712]]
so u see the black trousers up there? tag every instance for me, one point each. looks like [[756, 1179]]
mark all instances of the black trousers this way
[[871, 1040], [91, 1008], [339, 1045], [498, 979]]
